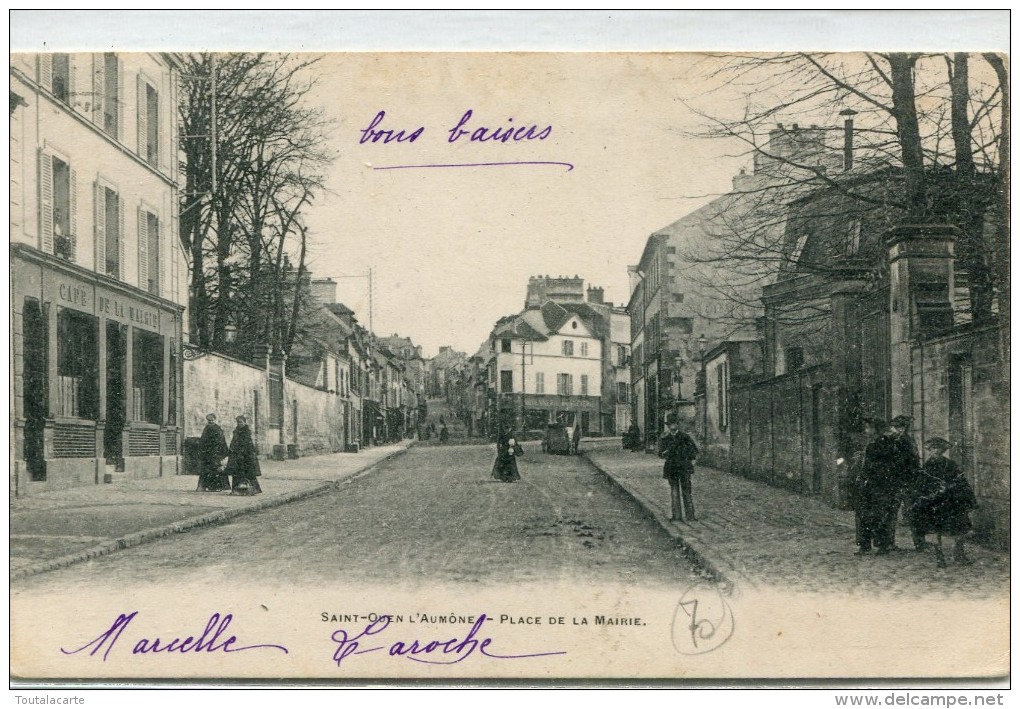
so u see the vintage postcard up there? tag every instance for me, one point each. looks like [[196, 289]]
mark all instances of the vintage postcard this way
[[485, 366]]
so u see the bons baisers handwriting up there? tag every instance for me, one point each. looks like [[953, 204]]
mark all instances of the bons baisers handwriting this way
[[466, 130]]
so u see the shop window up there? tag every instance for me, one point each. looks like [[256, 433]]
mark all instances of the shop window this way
[[36, 385], [77, 365], [147, 356]]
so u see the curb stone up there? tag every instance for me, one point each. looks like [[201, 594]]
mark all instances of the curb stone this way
[[694, 551], [204, 520]]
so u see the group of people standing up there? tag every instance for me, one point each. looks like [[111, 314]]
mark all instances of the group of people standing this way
[[936, 497], [241, 473]]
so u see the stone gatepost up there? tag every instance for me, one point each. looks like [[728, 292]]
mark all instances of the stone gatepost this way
[[920, 298]]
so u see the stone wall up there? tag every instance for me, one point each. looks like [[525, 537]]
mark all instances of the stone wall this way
[[961, 393]]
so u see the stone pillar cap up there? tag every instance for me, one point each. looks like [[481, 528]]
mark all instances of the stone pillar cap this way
[[921, 232]]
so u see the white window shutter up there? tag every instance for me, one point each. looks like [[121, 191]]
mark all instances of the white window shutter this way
[[73, 214], [46, 71], [143, 249], [99, 93], [74, 97], [100, 221], [46, 201], [161, 149], [143, 118]]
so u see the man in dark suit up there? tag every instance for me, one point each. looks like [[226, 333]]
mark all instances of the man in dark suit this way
[[680, 451]]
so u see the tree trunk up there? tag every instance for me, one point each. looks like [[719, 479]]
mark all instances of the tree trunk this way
[[904, 110]]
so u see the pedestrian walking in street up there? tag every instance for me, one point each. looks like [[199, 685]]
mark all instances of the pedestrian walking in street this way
[[212, 449], [444, 434], [243, 465], [680, 452], [575, 442], [868, 487], [942, 501], [904, 469], [504, 467], [632, 438]]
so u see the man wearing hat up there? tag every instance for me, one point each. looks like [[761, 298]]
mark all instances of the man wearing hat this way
[[680, 451], [903, 466]]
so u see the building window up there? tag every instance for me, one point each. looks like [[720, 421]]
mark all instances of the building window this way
[[148, 122], [621, 356], [505, 345], [58, 206], [506, 381], [568, 348], [794, 359], [148, 251], [722, 386], [565, 384], [584, 349], [584, 385], [109, 228], [60, 81], [539, 382], [622, 393], [77, 365], [147, 375], [109, 81]]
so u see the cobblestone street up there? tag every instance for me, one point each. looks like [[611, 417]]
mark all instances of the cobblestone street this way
[[761, 536]]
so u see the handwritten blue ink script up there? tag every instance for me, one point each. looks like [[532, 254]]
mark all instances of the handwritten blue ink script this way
[[465, 131], [432, 652], [213, 639]]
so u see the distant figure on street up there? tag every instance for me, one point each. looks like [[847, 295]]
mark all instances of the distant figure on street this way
[[243, 465], [941, 501], [575, 439], [444, 434], [869, 487], [212, 449], [680, 452], [504, 468]]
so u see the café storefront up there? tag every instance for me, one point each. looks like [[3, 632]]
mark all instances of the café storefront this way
[[97, 385]]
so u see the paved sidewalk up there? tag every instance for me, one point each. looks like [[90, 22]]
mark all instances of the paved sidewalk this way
[[749, 534], [53, 529]]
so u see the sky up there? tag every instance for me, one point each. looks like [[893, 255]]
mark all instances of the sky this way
[[451, 249]]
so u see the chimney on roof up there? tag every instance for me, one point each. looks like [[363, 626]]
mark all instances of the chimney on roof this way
[[596, 295], [323, 290], [848, 138]]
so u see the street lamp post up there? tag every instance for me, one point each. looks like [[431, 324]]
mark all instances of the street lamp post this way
[[704, 389]]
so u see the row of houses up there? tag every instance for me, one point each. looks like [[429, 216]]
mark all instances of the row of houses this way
[[862, 315], [565, 357], [105, 382]]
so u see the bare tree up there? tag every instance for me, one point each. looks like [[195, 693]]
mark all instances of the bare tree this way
[[906, 108], [241, 214]]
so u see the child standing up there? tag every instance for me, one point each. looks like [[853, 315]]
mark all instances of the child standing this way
[[942, 501]]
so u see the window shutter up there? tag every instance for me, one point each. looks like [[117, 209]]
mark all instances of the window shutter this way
[[73, 214], [121, 244], [163, 151], [46, 71], [143, 249], [143, 118], [99, 94], [120, 100], [100, 221], [46, 201], [74, 96], [160, 275]]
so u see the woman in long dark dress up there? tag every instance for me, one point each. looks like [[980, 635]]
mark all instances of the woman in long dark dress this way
[[504, 468], [942, 500], [243, 465], [212, 449]]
